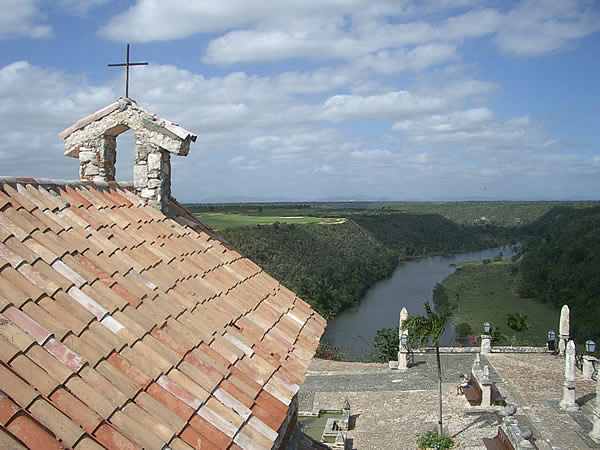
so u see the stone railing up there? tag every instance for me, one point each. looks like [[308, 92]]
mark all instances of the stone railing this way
[[498, 349]]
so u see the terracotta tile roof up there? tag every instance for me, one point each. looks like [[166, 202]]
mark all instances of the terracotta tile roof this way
[[123, 328]]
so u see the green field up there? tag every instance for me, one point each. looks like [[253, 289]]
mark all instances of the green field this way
[[504, 214], [486, 293], [221, 221]]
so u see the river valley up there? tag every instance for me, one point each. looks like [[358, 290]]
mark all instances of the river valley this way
[[411, 285]]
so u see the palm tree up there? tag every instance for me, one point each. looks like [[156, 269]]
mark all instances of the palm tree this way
[[422, 330], [518, 322]]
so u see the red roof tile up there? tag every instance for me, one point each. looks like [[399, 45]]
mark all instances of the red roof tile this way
[[32, 433], [108, 436], [76, 410], [153, 332]]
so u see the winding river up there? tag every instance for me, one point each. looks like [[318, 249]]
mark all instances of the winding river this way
[[410, 285]]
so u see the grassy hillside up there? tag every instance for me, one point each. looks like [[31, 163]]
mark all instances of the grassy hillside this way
[[480, 293]]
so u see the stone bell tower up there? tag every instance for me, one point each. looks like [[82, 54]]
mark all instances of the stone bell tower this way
[[93, 140]]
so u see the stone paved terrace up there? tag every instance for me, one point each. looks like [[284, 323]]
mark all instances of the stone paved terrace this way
[[389, 408]]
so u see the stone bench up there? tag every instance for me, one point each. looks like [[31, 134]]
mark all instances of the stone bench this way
[[473, 391], [481, 391], [500, 442]]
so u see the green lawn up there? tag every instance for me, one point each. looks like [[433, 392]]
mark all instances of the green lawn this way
[[220, 221], [486, 293]]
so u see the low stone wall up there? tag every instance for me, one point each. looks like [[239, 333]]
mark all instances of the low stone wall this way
[[498, 349]]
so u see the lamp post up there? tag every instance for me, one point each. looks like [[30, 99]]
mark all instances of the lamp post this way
[[590, 346], [486, 327], [589, 359], [552, 340], [486, 339]]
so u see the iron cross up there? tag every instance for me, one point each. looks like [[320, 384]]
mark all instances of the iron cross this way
[[127, 64]]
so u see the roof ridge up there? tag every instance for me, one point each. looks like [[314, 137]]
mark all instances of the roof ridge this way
[[60, 182]]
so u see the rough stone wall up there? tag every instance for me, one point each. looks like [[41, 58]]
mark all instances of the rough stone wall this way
[[152, 173], [287, 427], [97, 159]]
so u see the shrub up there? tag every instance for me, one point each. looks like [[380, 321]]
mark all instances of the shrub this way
[[432, 439], [331, 352], [464, 329], [386, 344]]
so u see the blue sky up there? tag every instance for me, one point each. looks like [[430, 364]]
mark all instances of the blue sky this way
[[320, 99]]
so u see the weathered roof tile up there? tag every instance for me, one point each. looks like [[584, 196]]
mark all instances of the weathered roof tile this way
[[154, 333]]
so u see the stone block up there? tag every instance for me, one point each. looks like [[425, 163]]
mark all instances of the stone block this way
[[140, 176], [147, 193], [86, 156], [154, 183], [154, 161], [90, 170]]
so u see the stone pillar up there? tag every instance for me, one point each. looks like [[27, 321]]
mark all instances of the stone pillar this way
[[486, 344], [476, 364], [152, 173], [402, 351], [595, 433], [486, 387], [402, 359], [486, 392], [97, 159], [403, 317], [568, 401], [588, 366], [563, 329], [345, 422]]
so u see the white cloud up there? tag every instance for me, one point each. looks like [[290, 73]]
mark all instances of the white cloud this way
[[372, 155], [20, 18], [81, 7], [392, 105], [36, 105], [474, 130], [536, 27], [324, 170], [155, 20], [240, 162], [416, 59]]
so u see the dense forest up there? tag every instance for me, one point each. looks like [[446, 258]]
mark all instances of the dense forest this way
[[561, 264], [331, 266], [416, 235]]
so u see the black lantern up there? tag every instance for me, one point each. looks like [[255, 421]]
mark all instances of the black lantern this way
[[486, 327], [590, 346], [551, 340]]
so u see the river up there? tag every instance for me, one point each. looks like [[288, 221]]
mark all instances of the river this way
[[411, 285]]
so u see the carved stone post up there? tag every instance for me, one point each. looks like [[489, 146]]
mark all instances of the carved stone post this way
[[486, 387], [402, 351], [563, 329], [486, 344], [568, 401], [595, 433], [588, 366], [476, 363], [403, 317]]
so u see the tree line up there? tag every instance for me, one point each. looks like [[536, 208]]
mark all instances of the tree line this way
[[561, 264]]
